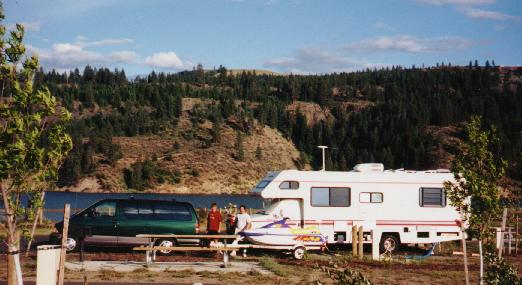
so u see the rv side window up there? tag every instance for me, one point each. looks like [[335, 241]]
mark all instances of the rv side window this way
[[432, 197], [371, 197], [289, 185], [330, 196]]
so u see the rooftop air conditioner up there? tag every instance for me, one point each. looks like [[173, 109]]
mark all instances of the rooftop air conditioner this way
[[369, 167]]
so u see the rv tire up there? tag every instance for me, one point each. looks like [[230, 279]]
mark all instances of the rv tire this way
[[389, 242]]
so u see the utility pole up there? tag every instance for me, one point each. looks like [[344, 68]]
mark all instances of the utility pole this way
[[323, 149]]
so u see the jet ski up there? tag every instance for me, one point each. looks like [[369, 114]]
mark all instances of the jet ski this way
[[279, 233]]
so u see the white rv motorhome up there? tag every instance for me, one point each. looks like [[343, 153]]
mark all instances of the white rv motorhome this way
[[409, 207]]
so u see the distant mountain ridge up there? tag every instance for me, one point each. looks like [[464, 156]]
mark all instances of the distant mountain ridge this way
[[404, 118]]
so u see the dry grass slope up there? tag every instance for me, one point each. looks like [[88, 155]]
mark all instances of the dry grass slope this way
[[217, 170]]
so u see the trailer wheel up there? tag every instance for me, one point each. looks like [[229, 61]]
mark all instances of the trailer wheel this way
[[299, 252], [389, 243], [166, 243]]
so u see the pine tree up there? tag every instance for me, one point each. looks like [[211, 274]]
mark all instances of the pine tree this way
[[216, 131], [259, 153], [240, 151]]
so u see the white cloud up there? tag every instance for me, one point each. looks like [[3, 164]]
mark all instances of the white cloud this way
[[28, 26], [83, 42], [313, 60], [164, 60], [67, 56], [409, 44], [468, 8], [489, 15], [70, 55], [106, 42]]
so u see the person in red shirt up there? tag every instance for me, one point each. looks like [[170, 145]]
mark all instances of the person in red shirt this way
[[214, 220]]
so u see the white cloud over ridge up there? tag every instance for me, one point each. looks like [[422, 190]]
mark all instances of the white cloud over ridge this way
[[322, 60], [81, 52], [316, 60], [164, 60], [409, 44]]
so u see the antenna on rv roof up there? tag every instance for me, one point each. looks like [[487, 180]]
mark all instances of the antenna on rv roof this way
[[323, 148]]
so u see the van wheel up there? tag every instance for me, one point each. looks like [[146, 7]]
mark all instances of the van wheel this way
[[72, 244], [389, 243], [299, 252], [166, 243]]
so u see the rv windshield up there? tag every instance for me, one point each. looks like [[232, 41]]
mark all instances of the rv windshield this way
[[282, 208], [267, 203], [262, 184]]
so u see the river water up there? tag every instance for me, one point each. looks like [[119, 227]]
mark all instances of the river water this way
[[54, 201]]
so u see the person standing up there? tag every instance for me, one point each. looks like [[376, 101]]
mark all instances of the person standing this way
[[243, 220], [214, 221]]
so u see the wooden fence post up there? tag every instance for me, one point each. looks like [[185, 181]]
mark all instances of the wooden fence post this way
[[360, 243], [61, 272], [354, 241], [465, 252], [502, 231], [518, 237]]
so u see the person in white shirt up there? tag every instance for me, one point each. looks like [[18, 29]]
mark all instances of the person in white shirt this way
[[243, 220]]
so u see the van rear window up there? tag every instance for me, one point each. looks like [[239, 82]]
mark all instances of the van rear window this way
[[172, 212]]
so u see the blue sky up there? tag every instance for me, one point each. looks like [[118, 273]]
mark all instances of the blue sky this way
[[299, 36]]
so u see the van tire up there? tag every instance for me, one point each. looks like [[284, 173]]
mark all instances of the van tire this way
[[389, 242], [72, 244], [167, 243]]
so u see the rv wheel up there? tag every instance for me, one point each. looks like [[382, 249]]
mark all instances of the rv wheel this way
[[299, 252], [165, 243], [389, 243]]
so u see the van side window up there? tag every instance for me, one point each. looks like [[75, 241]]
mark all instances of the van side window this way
[[330, 197], [128, 209], [432, 197], [289, 185], [371, 197], [172, 212], [105, 209], [145, 210]]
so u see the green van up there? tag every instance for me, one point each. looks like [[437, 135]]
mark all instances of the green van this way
[[116, 222]]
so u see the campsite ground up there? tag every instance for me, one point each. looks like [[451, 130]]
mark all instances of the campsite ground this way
[[443, 268]]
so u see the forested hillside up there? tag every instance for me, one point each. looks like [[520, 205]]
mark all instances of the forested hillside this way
[[404, 118]]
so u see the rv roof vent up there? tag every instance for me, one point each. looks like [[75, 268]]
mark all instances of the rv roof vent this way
[[443, 170], [369, 167]]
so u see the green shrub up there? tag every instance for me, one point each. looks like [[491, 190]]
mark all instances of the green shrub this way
[[345, 276], [500, 272]]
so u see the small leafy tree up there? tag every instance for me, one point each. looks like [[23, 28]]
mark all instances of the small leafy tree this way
[[475, 191], [500, 272], [33, 141]]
